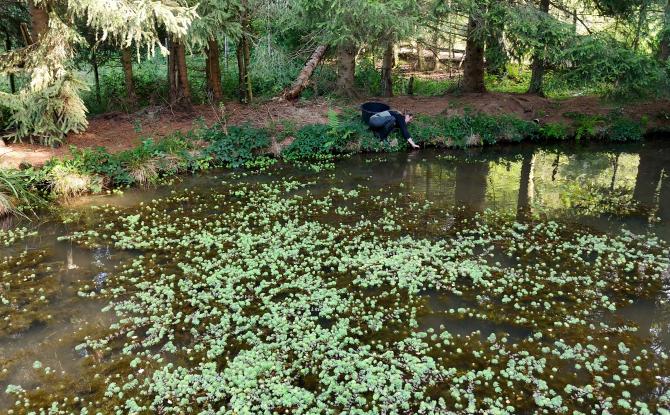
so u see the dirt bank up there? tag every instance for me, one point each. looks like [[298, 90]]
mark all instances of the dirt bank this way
[[119, 131]]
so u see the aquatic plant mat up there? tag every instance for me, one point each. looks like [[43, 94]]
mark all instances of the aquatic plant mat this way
[[281, 296]]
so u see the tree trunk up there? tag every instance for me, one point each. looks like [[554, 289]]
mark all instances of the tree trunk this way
[[241, 72], [8, 47], [346, 68], [213, 69], [96, 75], [183, 76], [127, 62], [40, 21], [294, 91], [473, 68], [387, 72], [244, 79], [664, 47], [537, 75], [180, 91], [172, 72], [247, 63]]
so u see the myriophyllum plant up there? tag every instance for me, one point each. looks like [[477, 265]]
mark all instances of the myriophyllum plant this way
[[283, 297]]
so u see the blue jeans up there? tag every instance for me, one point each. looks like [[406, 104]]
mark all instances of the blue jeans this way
[[398, 121]]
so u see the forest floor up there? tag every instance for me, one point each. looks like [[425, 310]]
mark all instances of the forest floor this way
[[120, 131]]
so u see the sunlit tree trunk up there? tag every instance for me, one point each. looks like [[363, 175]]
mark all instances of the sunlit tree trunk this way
[[436, 50], [387, 72], [127, 63], [473, 67], [40, 21], [244, 78], [213, 70], [180, 91], [346, 69], [538, 66], [301, 82]]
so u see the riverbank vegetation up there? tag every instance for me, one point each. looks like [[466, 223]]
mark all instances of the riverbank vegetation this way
[[95, 170]]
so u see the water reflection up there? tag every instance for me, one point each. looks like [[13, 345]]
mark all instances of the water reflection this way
[[604, 187]]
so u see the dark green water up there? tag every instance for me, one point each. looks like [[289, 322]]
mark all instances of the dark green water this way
[[600, 188]]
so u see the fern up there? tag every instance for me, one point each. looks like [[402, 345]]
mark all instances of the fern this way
[[333, 121]]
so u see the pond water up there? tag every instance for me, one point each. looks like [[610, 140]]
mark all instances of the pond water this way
[[519, 278]]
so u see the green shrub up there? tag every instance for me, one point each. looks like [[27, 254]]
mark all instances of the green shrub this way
[[237, 147], [602, 60], [555, 131], [585, 125], [623, 129], [99, 161], [312, 140], [471, 129]]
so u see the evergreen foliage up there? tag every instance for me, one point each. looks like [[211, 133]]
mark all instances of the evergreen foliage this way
[[265, 43]]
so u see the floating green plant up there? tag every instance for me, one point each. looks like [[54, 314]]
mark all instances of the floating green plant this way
[[279, 297]]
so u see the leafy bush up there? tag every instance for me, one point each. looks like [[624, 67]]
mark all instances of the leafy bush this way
[[310, 141], [602, 60], [586, 125], [624, 129], [99, 161], [471, 129], [514, 80], [367, 77], [237, 147], [555, 131]]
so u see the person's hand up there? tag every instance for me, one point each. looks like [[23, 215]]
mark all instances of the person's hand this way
[[412, 143]]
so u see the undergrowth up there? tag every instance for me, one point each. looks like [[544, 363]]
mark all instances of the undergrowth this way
[[93, 170]]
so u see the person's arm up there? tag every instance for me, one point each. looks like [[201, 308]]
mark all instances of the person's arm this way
[[403, 129]]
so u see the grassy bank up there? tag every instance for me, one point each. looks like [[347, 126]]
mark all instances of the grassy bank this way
[[220, 146]]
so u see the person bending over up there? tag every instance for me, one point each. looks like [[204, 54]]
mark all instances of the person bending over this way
[[383, 123]]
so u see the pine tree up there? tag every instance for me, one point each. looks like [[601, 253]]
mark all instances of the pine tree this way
[[49, 106]]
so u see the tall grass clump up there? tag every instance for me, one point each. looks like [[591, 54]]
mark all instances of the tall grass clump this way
[[18, 195]]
